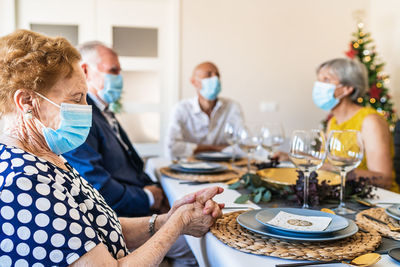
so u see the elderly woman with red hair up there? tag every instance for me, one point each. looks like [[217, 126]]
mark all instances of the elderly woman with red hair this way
[[49, 215]]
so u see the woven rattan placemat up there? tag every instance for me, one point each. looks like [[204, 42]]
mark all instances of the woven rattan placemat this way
[[212, 178], [231, 233], [380, 214]]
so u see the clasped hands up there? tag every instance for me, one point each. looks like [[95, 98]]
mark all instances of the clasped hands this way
[[197, 212]]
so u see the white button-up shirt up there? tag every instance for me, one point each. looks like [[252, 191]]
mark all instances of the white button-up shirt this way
[[190, 126]]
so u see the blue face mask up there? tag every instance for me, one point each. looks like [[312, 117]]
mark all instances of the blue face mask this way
[[210, 88], [324, 95], [112, 89], [76, 121]]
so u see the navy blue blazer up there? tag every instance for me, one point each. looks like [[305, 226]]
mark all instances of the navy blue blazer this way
[[117, 173]]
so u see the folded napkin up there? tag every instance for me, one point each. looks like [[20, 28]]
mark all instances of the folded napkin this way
[[198, 165], [298, 222], [215, 154]]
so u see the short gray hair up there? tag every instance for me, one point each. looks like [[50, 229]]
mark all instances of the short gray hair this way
[[350, 73], [89, 52]]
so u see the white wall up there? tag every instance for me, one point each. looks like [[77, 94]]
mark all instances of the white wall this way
[[385, 28], [7, 16], [268, 50]]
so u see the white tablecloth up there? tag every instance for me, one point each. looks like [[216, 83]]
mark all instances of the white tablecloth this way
[[209, 251]]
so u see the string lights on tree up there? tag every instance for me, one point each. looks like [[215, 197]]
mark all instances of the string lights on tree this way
[[377, 96]]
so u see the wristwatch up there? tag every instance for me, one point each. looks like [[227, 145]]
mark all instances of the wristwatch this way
[[152, 223]]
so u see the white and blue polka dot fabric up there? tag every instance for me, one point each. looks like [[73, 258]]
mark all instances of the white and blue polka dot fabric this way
[[49, 216]]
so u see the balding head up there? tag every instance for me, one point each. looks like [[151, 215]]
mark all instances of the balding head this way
[[203, 70]]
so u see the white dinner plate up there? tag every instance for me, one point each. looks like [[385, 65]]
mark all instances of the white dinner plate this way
[[248, 221], [338, 223]]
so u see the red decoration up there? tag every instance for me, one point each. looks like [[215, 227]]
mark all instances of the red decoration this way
[[375, 92], [352, 52]]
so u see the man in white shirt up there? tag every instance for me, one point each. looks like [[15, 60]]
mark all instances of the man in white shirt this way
[[197, 124]]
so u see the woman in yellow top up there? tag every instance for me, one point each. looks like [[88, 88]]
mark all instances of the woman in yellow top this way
[[340, 82]]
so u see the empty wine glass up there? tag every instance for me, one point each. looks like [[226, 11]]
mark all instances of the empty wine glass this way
[[272, 136], [345, 153], [230, 133], [307, 152], [249, 140]]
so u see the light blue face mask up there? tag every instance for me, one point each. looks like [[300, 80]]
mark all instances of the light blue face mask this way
[[324, 95], [112, 89], [210, 88], [76, 121]]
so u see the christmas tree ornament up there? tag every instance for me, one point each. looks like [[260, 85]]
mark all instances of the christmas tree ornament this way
[[377, 96]]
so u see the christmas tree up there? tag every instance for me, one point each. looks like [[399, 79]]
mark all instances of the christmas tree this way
[[377, 96]]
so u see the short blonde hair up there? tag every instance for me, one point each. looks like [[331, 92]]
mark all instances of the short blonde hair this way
[[32, 61]]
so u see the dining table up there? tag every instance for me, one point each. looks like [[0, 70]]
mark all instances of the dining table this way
[[210, 251]]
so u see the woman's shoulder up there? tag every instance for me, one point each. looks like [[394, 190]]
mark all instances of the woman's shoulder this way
[[65, 215], [13, 159], [366, 111], [371, 118], [374, 121]]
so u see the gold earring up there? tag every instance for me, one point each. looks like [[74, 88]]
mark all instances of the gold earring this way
[[28, 115]]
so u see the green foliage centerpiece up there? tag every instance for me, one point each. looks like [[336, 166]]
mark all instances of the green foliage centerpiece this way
[[319, 193]]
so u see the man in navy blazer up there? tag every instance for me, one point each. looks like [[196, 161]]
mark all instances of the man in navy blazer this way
[[107, 159]]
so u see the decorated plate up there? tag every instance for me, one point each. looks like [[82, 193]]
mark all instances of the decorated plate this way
[[248, 221], [337, 223]]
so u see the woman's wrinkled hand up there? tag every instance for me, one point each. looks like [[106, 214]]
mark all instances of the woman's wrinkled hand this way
[[196, 219], [202, 196], [197, 212]]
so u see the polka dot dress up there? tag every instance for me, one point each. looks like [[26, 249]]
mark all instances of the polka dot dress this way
[[49, 216]]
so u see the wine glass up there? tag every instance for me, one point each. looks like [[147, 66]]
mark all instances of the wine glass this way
[[249, 140], [272, 136], [230, 133], [307, 152], [345, 153]]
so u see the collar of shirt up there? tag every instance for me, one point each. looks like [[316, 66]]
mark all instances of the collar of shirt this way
[[111, 120], [97, 102], [197, 109]]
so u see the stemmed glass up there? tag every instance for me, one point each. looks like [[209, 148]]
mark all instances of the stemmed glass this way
[[249, 140], [272, 136], [307, 152], [230, 133], [345, 153]]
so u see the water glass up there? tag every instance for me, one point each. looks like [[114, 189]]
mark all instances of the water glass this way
[[345, 152], [307, 152]]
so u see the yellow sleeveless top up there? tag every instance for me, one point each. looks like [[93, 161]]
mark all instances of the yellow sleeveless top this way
[[355, 123]]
